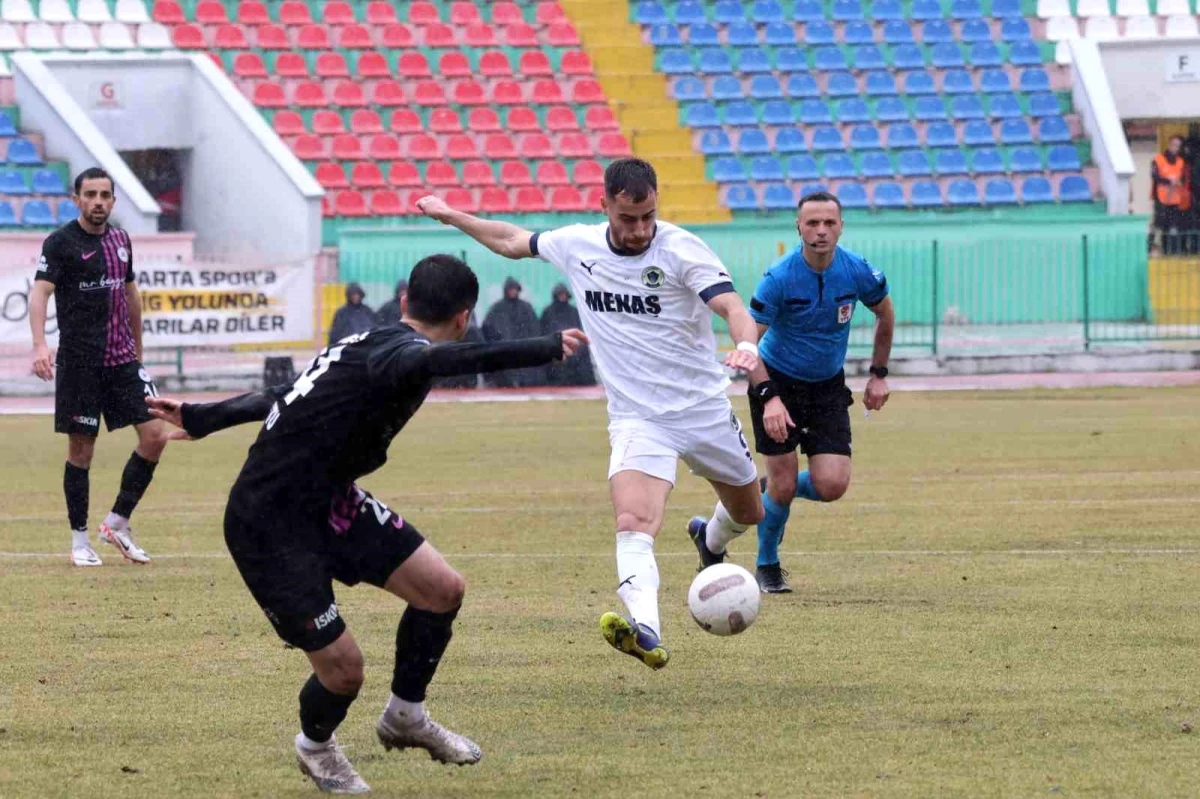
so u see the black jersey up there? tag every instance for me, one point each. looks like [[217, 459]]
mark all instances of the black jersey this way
[[89, 274], [335, 423]]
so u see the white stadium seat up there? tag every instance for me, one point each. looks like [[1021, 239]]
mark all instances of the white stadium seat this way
[[1169, 8], [132, 11], [1060, 29], [17, 11], [9, 38], [1141, 27], [78, 36], [1133, 8], [1101, 29], [115, 36], [93, 11], [152, 36], [41, 36], [1093, 8], [1181, 27], [1048, 9], [55, 11]]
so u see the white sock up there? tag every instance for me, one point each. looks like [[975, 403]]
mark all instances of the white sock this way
[[721, 530], [116, 522], [637, 573], [309, 745], [407, 712], [79, 539]]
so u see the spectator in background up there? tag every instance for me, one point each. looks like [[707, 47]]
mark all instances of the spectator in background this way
[[1171, 178], [353, 317], [513, 318], [389, 312], [559, 315]]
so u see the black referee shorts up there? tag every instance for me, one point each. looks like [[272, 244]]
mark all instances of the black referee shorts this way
[[820, 410], [85, 392]]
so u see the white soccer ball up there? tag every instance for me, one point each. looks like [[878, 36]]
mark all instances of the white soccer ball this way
[[724, 599]]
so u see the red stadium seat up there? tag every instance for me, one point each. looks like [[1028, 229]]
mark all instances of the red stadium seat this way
[[613, 145], [506, 13], [331, 176], [561, 118], [355, 37], [288, 123], [551, 173], [499, 145], [337, 12], [332, 64], [423, 147], [413, 65], [398, 37], [188, 37], [372, 65], [454, 65], [313, 37], [269, 95], [309, 147], [230, 37], [168, 12], [515, 173], [522, 119], [576, 62], [429, 93], [549, 13], [574, 145], [520, 34], [600, 117], [252, 12], [531, 199], [388, 93], [495, 64], [404, 174], [310, 95], [272, 37], [347, 147], [463, 13], [365, 120], [381, 13], [469, 92], [562, 34], [478, 173], [349, 94], [534, 64], [294, 12], [567, 199], [480, 35], [216, 59], [420, 13], [439, 35], [594, 196], [367, 175], [587, 91], [535, 145], [350, 203], [483, 120], [445, 120], [460, 147], [383, 147], [494, 200], [440, 174], [462, 199], [210, 12], [507, 92], [327, 123], [588, 173], [386, 203], [547, 92], [249, 65], [405, 121], [291, 65]]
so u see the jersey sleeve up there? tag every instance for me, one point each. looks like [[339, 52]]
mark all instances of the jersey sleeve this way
[[871, 284], [201, 419], [395, 367], [554, 246], [701, 269], [51, 264], [764, 305]]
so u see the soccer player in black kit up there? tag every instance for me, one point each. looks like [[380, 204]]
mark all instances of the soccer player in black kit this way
[[87, 264], [296, 520]]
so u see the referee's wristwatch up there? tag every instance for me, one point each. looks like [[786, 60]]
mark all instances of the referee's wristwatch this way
[[879, 371], [765, 391]]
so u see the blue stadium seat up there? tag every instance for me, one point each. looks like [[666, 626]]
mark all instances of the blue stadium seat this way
[[1063, 158], [48, 181], [704, 35], [999, 191], [994, 80], [852, 195], [937, 31], [865, 137], [1015, 30], [950, 162], [650, 13], [1005, 106], [908, 56], [1074, 189], [926, 194], [741, 34], [957, 81], [729, 170], [1034, 79], [887, 10], [891, 109], [741, 198], [778, 112], [686, 89], [985, 54], [727, 87], [975, 30], [8, 217], [829, 59], [841, 84], [897, 32], [846, 10], [754, 60], [940, 134], [1025, 159], [702, 115], [12, 182], [1036, 190], [753, 142], [715, 142], [827, 139], [689, 13], [815, 112], [812, 188], [987, 161], [966, 9], [1044, 104], [808, 11], [765, 87], [1015, 131], [780, 34], [764, 12], [881, 84], [727, 11], [741, 114], [802, 167], [676, 62], [766, 168], [790, 140], [929, 108], [966, 106], [868, 56], [1025, 54], [920, 82], [853, 110], [666, 36], [1007, 9], [22, 151], [1053, 129], [779, 197], [978, 132], [7, 128], [839, 165], [818, 34], [925, 10], [67, 211], [802, 85], [913, 163], [791, 59], [901, 136], [962, 192], [887, 195], [37, 213], [877, 165], [858, 32], [946, 55]]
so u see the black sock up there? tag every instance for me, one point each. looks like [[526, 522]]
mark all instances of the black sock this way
[[420, 642], [75, 486], [321, 710], [134, 481]]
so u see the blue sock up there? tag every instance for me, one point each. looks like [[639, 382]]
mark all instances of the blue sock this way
[[804, 488], [770, 530]]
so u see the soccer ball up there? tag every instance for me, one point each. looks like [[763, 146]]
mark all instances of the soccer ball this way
[[724, 599]]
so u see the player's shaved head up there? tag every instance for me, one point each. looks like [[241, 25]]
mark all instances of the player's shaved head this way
[[439, 288]]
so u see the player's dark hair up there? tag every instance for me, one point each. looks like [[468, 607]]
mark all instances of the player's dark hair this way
[[820, 197], [439, 287], [632, 177], [91, 173]]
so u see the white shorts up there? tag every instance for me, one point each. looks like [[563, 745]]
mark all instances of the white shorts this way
[[707, 436]]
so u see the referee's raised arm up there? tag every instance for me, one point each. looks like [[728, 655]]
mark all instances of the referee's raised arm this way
[[502, 238]]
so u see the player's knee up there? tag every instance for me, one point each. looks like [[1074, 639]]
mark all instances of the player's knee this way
[[831, 488], [748, 514], [79, 452], [450, 592], [633, 522], [346, 675], [782, 487]]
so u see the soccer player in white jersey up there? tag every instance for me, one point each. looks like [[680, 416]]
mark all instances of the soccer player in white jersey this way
[[648, 289]]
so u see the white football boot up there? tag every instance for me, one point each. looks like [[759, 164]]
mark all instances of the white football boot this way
[[85, 556], [443, 745], [123, 541], [330, 769]]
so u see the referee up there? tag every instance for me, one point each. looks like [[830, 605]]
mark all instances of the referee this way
[[87, 264], [798, 393]]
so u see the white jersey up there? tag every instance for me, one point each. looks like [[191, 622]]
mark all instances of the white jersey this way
[[650, 329]]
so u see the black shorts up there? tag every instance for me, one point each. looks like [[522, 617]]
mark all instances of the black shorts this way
[[289, 563], [82, 393], [820, 411]]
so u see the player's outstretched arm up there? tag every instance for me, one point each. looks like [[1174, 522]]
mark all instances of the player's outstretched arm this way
[[398, 367], [742, 328], [501, 238], [197, 420]]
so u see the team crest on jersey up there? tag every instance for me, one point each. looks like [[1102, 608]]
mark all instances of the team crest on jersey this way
[[845, 312], [653, 277], [123, 255]]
